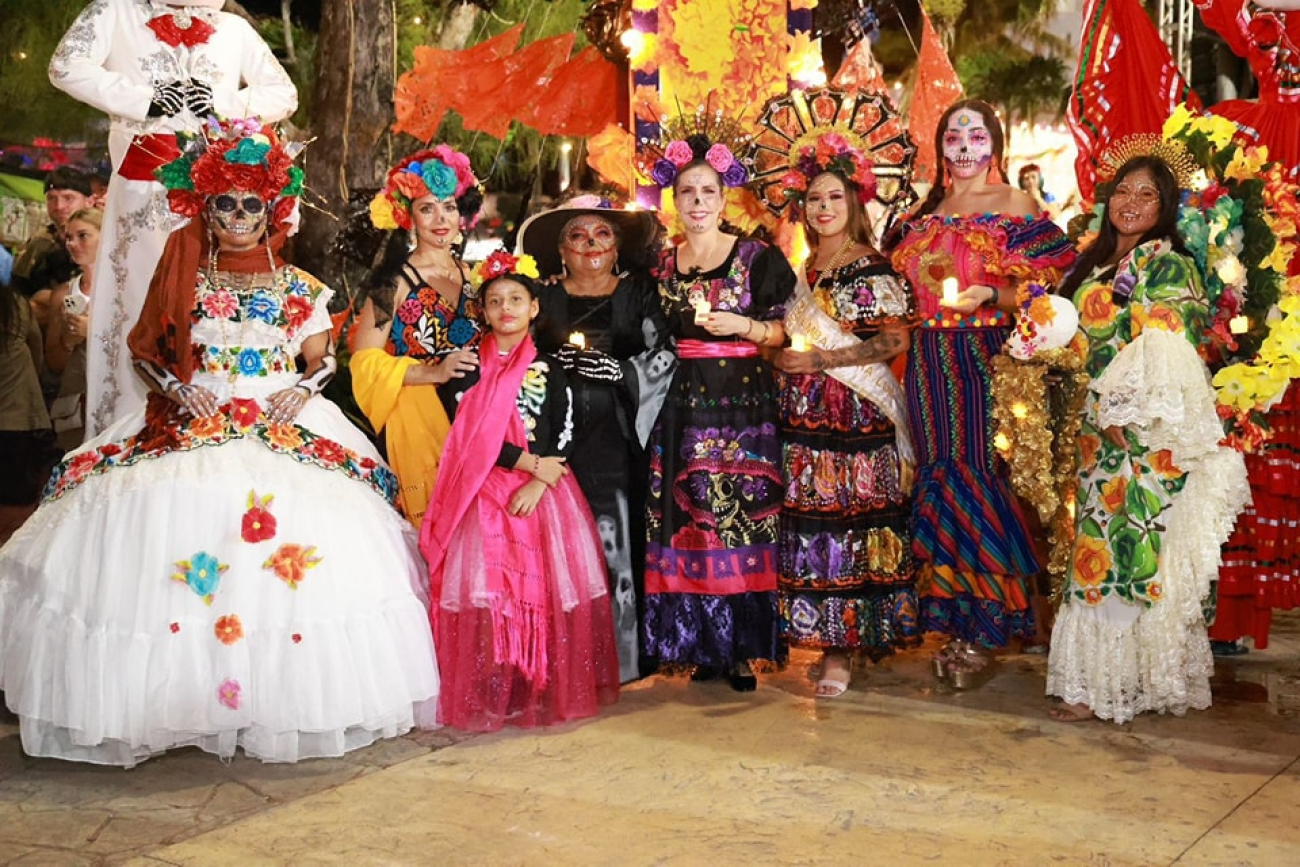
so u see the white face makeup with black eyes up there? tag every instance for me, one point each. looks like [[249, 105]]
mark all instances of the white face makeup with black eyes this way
[[967, 144], [588, 244], [238, 219], [700, 198]]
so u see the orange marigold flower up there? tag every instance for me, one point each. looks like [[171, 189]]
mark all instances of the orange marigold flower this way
[[228, 629], [285, 436], [207, 427], [1163, 463], [1097, 309], [1112, 494], [1092, 560], [290, 563]]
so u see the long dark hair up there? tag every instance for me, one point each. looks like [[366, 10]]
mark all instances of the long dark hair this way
[[1103, 248], [380, 283], [940, 187]]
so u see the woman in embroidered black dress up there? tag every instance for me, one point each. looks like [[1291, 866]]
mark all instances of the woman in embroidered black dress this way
[[419, 320], [606, 299], [847, 575], [715, 486]]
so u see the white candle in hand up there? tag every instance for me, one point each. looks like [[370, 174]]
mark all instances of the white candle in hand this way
[[702, 311], [578, 339], [798, 343], [1239, 324], [949, 291]]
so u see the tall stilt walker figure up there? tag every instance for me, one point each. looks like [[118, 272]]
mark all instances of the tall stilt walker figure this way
[[156, 68]]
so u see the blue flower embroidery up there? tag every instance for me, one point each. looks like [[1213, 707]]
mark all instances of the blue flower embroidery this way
[[201, 573], [264, 306], [461, 331], [250, 363]]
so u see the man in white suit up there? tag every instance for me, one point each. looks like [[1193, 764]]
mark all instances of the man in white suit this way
[[156, 67]]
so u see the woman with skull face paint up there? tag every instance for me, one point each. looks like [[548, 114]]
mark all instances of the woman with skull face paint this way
[[715, 459], [193, 579], [605, 299], [419, 324], [987, 238], [1157, 493]]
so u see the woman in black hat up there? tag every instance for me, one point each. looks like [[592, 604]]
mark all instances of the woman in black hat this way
[[601, 318]]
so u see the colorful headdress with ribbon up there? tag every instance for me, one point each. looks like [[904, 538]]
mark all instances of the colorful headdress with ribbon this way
[[501, 264], [705, 135], [231, 155], [441, 172]]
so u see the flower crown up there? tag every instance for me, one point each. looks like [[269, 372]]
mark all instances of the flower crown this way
[[707, 135], [1172, 153], [828, 149], [500, 263], [441, 172], [230, 155]]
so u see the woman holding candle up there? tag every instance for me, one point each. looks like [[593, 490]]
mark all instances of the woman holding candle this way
[[846, 569], [970, 536], [715, 487], [601, 319], [1157, 493], [419, 324]]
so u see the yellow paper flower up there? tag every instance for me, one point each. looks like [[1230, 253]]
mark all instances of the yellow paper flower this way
[[527, 266], [1279, 259], [1178, 121], [1219, 130], [1236, 386], [381, 213], [1245, 164]]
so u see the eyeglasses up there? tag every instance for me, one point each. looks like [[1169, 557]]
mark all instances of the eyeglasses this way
[[1143, 195], [228, 204]]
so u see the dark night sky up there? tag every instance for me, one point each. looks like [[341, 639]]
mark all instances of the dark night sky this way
[[306, 12]]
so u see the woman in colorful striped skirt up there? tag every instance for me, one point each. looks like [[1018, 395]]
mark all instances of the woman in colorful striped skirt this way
[[965, 250]]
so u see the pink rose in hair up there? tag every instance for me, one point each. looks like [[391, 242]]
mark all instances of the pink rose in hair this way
[[678, 153], [719, 156]]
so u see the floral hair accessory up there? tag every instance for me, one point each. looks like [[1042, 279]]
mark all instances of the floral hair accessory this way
[[706, 135], [441, 172], [828, 149], [230, 155], [1172, 153], [500, 264]]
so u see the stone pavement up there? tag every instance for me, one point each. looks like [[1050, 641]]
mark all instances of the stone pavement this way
[[897, 771]]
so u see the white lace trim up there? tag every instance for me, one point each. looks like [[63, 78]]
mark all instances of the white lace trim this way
[[1159, 385], [1122, 660]]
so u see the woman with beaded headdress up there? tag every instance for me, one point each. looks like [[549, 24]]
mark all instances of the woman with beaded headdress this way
[[715, 488], [982, 239], [600, 317], [516, 575], [1157, 493], [192, 578], [846, 571], [419, 324]]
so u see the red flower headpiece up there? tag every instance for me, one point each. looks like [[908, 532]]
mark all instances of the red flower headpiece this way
[[828, 149], [230, 155], [442, 172]]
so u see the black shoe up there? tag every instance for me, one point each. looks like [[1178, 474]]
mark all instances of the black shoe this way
[[743, 681], [1228, 648], [704, 673]]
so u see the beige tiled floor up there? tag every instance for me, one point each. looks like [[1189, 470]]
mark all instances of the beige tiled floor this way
[[895, 772]]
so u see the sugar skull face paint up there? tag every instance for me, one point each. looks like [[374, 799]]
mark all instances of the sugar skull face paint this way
[[238, 219], [588, 244], [967, 144]]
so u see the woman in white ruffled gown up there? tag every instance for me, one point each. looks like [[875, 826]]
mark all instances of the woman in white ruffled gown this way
[[1157, 493], [227, 568]]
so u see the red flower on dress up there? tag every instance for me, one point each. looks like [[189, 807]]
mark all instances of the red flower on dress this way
[[228, 629], [298, 310], [290, 563], [174, 627], [244, 411], [170, 32], [220, 304], [258, 524], [297, 638], [108, 450], [328, 451]]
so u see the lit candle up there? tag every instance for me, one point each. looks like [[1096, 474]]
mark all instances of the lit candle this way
[[578, 339], [1239, 324], [949, 291], [702, 311], [798, 343]]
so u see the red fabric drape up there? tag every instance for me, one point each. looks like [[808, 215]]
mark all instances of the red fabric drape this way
[[937, 87]]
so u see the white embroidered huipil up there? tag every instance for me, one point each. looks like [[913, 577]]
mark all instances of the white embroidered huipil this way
[[111, 59]]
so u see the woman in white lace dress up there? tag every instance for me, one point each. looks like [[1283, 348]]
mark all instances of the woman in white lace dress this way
[[225, 569], [1157, 494]]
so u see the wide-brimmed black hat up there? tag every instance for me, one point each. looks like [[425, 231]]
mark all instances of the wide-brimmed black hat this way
[[539, 236]]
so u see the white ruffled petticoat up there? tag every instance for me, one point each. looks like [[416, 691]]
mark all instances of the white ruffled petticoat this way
[[118, 640], [1121, 659]]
